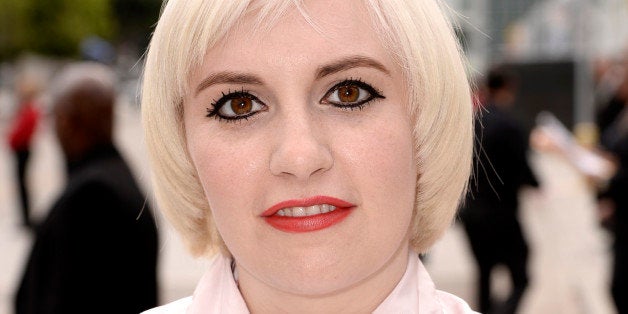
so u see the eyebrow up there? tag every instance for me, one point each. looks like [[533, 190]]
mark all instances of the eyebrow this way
[[228, 77], [350, 63]]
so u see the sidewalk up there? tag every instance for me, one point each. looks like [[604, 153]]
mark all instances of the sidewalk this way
[[569, 253]]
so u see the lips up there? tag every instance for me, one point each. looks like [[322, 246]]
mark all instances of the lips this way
[[306, 215]]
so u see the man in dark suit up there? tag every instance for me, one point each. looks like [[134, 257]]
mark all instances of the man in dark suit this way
[[615, 197], [490, 212], [613, 205], [96, 252]]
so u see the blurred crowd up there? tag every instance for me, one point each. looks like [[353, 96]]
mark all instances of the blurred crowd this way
[[97, 247], [612, 122]]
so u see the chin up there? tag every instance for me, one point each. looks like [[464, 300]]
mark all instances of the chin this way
[[327, 272]]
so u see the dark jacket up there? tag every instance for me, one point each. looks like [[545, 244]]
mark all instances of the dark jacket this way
[[500, 165], [500, 170], [618, 192], [96, 252]]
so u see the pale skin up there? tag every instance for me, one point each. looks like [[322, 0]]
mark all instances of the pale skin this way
[[300, 139]]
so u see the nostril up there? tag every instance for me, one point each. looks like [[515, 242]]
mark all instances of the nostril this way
[[301, 158]]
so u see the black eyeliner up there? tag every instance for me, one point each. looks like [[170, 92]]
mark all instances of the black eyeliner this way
[[216, 105], [374, 94]]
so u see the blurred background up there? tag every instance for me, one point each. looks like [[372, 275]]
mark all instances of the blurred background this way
[[569, 57]]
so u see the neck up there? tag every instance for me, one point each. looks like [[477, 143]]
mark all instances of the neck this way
[[362, 297]]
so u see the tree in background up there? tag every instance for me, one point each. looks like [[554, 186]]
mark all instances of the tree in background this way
[[135, 22], [57, 27]]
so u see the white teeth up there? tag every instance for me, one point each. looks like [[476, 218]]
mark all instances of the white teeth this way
[[298, 212], [312, 210], [305, 211]]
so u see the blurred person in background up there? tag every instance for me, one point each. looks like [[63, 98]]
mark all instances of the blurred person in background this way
[[21, 134], [96, 252], [490, 213], [613, 198], [612, 116]]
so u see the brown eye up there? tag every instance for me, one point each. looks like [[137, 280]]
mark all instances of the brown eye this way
[[236, 105], [349, 93], [241, 106]]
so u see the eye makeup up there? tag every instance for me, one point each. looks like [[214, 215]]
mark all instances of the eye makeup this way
[[349, 94], [234, 106]]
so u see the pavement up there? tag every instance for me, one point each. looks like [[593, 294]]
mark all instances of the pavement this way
[[569, 262]]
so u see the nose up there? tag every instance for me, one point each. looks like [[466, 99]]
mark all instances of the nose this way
[[301, 149]]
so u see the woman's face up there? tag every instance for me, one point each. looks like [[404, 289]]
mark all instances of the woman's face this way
[[304, 149]]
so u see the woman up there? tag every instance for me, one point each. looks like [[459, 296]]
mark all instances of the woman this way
[[320, 145]]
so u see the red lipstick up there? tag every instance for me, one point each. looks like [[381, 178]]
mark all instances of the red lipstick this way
[[307, 223]]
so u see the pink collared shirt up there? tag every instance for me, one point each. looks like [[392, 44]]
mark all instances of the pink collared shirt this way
[[217, 292]]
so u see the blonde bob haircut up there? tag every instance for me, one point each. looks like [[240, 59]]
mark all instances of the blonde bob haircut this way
[[418, 36]]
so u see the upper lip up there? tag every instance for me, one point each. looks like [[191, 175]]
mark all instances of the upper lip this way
[[306, 202]]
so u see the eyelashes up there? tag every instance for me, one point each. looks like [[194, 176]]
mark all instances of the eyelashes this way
[[350, 94], [236, 106]]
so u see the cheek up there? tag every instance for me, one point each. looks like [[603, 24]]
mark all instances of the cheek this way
[[386, 156], [225, 169], [225, 174], [383, 167]]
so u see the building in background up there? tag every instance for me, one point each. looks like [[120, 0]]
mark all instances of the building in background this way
[[551, 44]]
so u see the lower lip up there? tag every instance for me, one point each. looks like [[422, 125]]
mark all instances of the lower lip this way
[[308, 223]]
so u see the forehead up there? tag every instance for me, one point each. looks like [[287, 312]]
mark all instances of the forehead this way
[[299, 39]]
